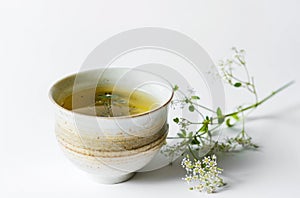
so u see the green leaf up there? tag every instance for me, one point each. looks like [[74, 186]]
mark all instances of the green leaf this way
[[180, 135], [238, 84], [195, 97], [204, 128], [220, 115], [228, 123], [195, 141], [175, 88], [219, 112], [176, 120], [190, 134], [191, 108], [183, 132], [236, 117]]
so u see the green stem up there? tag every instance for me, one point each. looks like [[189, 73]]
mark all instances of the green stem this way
[[192, 152], [261, 101], [203, 107]]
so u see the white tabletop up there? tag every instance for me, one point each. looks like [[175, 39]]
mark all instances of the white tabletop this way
[[42, 41]]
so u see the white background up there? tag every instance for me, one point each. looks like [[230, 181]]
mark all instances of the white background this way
[[42, 41]]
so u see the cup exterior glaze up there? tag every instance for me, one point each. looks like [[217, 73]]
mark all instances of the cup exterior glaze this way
[[111, 149]]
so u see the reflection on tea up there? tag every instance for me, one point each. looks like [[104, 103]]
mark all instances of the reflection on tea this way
[[106, 102]]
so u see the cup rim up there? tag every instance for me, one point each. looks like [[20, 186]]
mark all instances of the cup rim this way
[[50, 94]]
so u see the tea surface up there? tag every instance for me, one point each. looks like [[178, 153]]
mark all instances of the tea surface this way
[[107, 103]]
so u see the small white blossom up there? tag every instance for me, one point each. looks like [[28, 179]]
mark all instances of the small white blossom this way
[[214, 157], [206, 160], [212, 163], [188, 178], [198, 164]]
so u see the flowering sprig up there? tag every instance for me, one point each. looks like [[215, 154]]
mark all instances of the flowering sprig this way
[[200, 142]]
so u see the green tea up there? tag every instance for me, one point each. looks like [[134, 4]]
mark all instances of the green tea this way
[[107, 103]]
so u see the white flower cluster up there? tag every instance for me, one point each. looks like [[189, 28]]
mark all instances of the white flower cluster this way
[[203, 175]]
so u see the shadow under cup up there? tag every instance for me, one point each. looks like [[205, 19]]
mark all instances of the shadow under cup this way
[[111, 149]]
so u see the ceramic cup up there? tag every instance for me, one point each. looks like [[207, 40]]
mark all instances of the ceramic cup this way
[[111, 149]]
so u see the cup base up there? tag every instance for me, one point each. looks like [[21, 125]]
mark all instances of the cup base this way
[[111, 180]]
